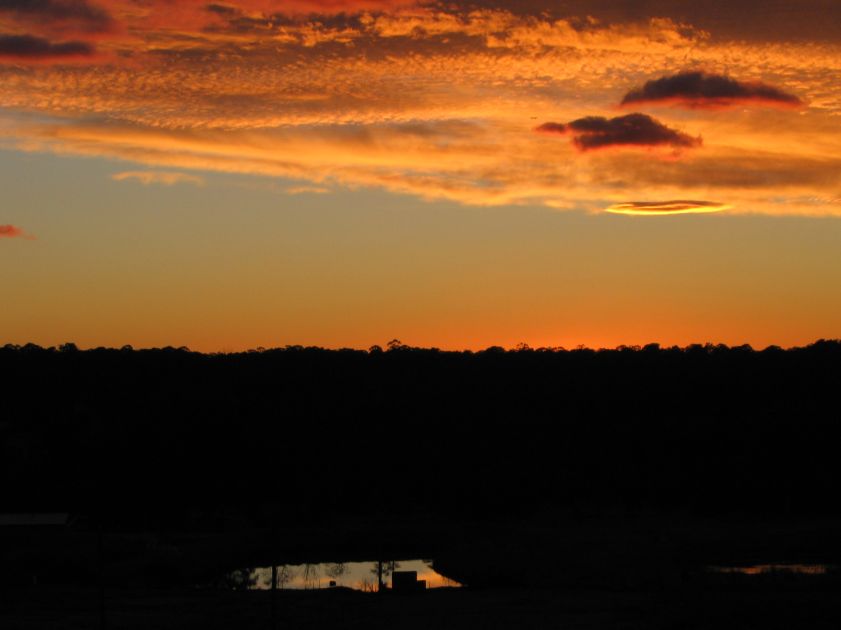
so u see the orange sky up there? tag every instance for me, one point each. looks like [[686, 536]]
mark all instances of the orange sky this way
[[730, 110]]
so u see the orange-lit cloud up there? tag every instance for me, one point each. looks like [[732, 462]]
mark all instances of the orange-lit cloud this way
[[697, 90], [307, 190], [167, 178], [635, 130], [661, 208], [433, 100], [11, 231]]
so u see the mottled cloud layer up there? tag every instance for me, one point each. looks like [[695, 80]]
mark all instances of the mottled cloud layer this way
[[437, 100], [709, 91], [633, 130]]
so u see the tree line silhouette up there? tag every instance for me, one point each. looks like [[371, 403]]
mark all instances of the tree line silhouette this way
[[170, 433]]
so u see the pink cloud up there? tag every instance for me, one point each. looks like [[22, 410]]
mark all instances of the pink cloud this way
[[11, 231]]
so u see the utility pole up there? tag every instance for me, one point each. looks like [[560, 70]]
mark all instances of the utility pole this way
[[274, 597], [100, 554]]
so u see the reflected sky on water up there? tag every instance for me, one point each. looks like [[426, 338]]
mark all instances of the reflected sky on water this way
[[357, 575]]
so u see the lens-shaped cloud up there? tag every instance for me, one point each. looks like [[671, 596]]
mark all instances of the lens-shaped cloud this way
[[660, 208], [635, 130], [699, 90]]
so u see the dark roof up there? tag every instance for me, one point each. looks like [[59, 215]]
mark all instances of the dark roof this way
[[36, 519]]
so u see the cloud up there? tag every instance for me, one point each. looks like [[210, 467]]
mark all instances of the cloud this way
[[636, 130], [203, 18], [77, 15], [167, 178], [660, 208], [436, 100], [731, 171], [307, 190], [483, 165], [699, 90], [10, 231], [55, 9], [28, 47]]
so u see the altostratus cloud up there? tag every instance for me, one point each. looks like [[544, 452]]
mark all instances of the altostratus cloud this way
[[11, 231], [634, 130], [167, 178], [660, 208], [699, 90]]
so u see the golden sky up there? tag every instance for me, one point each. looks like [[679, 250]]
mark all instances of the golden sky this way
[[585, 107]]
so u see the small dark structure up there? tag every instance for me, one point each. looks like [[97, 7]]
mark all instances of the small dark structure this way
[[28, 542], [52, 519], [406, 582]]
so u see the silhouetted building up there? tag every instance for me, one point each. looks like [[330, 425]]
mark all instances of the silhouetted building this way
[[406, 582], [49, 519]]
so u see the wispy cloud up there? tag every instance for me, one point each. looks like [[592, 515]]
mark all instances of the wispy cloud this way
[[166, 178], [306, 190]]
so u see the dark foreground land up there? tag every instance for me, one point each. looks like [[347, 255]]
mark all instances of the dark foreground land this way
[[445, 609], [554, 571], [563, 488]]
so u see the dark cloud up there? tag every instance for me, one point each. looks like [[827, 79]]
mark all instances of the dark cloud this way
[[10, 231], [678, 206], [37, 48], [598, 132], [223, 9], [709, 91], [84, 16]]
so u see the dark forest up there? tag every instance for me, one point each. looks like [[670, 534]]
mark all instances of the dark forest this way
[[165, 433]]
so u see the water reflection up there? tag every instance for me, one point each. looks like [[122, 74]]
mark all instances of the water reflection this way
[[761, 569], [362, 576]]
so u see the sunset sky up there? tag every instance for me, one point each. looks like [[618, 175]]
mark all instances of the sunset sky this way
[[228, 175]]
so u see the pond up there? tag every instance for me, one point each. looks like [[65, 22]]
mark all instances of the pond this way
[[764, 569], [360, 576]]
